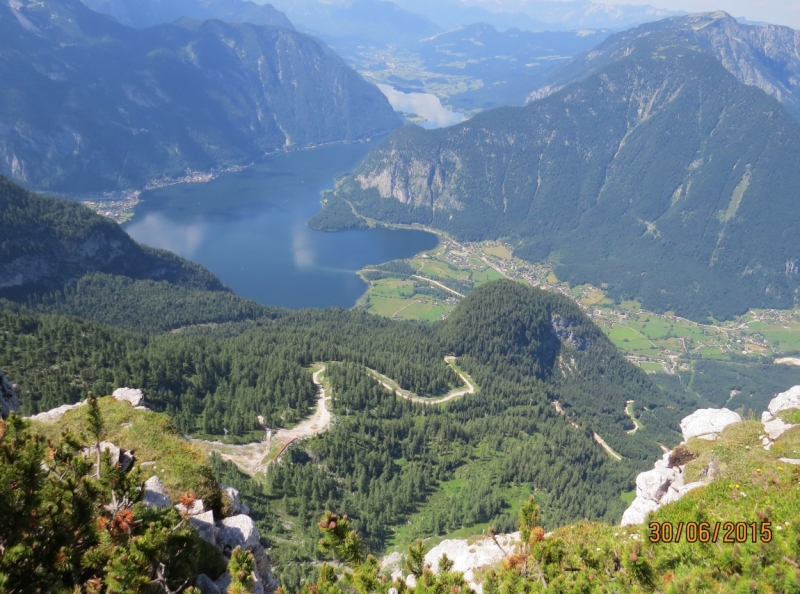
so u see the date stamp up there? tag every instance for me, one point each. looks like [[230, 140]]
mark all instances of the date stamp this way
[[726, 532]]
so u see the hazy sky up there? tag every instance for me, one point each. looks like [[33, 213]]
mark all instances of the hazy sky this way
[[780, 12]]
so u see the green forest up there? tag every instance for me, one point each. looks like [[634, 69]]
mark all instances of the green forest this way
[[385, 457]]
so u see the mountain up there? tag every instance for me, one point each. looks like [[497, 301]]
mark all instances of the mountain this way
[[48, 242], [507, 63], [361, 21], [762, 56], [660, 176], [89, 105], [538, 15], [146, 13]]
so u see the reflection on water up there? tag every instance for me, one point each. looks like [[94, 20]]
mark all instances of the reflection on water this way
[[422, 104], [158, 231], [249, 228]]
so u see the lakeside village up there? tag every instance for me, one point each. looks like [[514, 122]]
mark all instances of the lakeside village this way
[[653, 341], [119, 206]]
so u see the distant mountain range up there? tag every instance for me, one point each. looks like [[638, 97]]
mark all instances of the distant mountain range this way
[[146, 13], [372, 21], [659, 175], [507, 63], [87, 104], [537, 15], [764, 56]]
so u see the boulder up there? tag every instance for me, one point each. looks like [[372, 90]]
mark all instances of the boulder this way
[[637, 512], [264, 569], [195, 509], [785, 401], [237, 531], [204, 524], [155, 493], [206, 585], [653, 484], [56, 413], [676, 493], [132, 395], [777, 427], [118, 456], [9, 401], [708, 423], [233, 494]]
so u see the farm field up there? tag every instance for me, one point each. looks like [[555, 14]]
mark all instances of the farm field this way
[[655, 342]]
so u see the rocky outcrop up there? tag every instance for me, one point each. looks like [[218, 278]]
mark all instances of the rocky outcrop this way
[[469, 557], [785, 401], [708, 423], [565, 329], [654, 488], [665, 482], [155, 493], [56, 413], [241, 531], [123, 458], [237, 507], [9, 401], [132, 395]]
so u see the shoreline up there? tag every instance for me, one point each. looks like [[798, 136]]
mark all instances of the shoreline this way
[[119, 205]]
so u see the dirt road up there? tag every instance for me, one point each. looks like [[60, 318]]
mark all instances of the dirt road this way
[[253, 458], [390, 384]]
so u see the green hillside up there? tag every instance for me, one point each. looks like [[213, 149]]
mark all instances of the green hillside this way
[[659, 176]]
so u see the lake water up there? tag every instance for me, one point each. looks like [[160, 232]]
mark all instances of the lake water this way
[[249, 228]]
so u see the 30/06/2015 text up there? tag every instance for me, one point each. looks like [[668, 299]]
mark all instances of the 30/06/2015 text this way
[[730, 532]]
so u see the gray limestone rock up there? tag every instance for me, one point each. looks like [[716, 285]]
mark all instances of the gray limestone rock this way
[[784, 401], [237, 531], [206, 585], [155, 493], [233, 494], [9, 401], [134, 396], [204, 524], [197, 508], [56, 413], [118, 456], [708, 423]]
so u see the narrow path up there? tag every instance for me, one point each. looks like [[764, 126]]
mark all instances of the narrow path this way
[[629, 412], [438, 284], [253, 458], [606, 447], [392, 385], [599, 440]]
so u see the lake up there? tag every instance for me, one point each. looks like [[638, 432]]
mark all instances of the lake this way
[[249, 228]]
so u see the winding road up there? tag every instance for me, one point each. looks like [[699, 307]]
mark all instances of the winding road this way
[[256, 457], [253, 458], [392, 385]]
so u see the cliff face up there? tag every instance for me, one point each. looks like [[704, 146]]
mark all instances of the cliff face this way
[[50, 242], [90, 105], [762, 56]]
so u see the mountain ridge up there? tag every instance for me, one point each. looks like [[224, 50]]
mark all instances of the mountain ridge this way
[[763, 56], [649, 140], [89, 105]]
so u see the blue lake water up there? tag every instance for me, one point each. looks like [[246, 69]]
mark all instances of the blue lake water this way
[[249, 228]]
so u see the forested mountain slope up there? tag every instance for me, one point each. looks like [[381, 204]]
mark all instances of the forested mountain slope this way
[[48, 242], [88, 104], [764, 56], [146, 13], [385, 458], [660, 175]]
